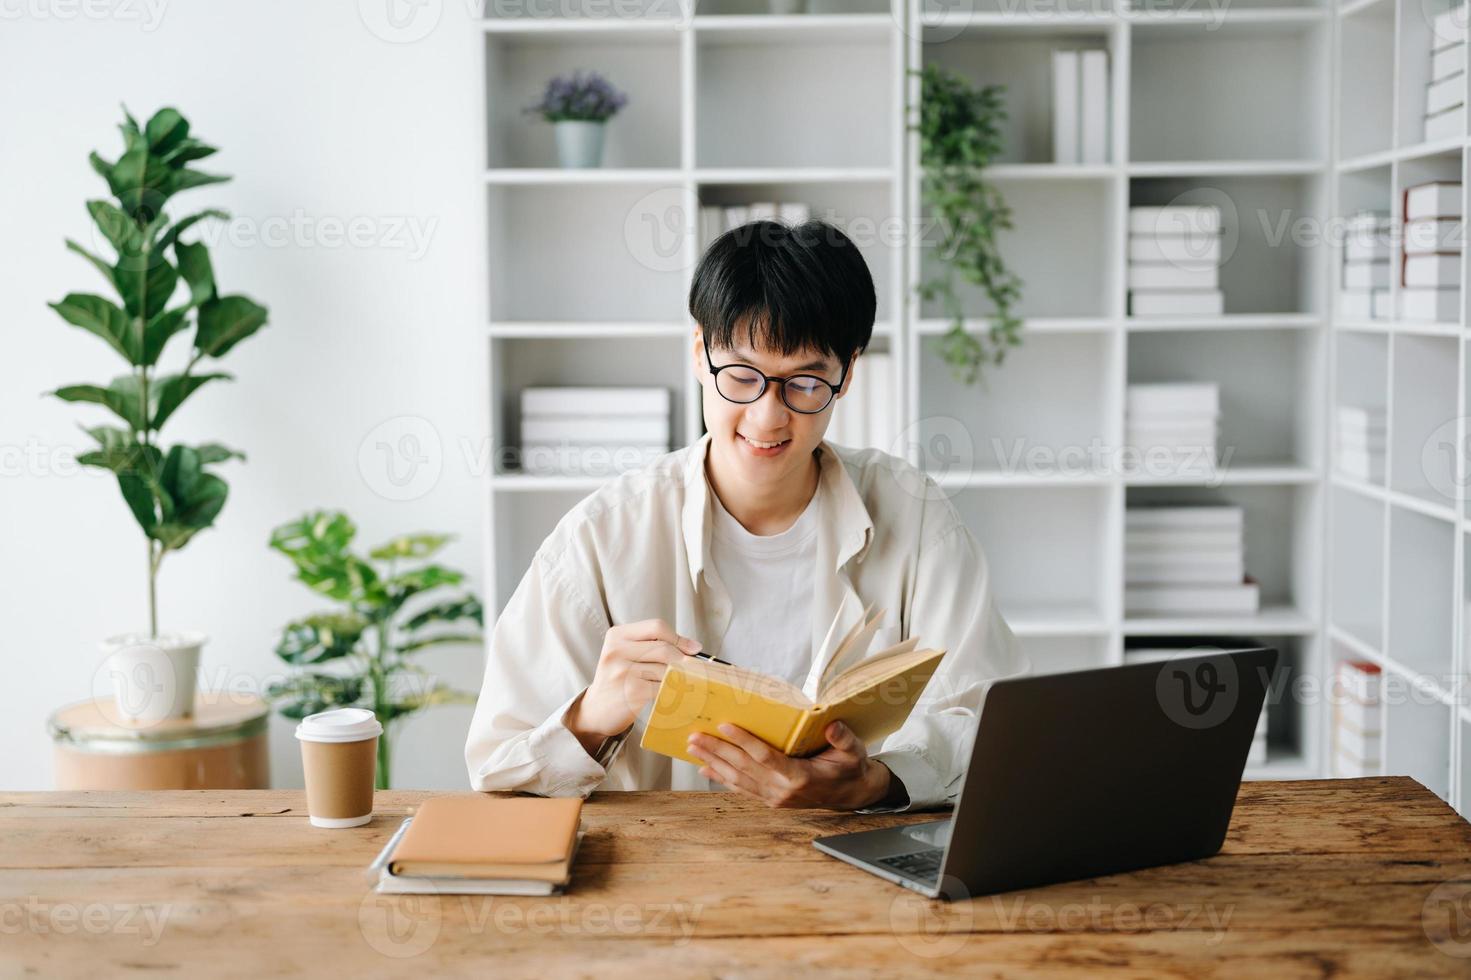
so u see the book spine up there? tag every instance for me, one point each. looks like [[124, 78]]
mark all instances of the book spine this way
[[1095, 106], [1065, 106]]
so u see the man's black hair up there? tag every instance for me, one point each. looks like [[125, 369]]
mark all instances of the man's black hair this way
[[785, 289]]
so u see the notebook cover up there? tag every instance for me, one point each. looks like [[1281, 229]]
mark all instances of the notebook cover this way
[[478, 835]]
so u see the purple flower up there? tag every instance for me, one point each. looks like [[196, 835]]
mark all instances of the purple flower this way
[[583, 95]]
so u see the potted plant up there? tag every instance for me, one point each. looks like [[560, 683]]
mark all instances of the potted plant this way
[[578, 107], [959, 135], [394, 604], [172, 491]]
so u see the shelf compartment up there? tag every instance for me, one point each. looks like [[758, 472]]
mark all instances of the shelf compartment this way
[[1423, 421], [1361, 370], [643, 64], [1416, 38], [1356, 556], [1366, 81], [1044, 546], [1269, 264], [1281, 540], [1059, 654], [1019, 58], [812, 101], [1057, 224], [1421, 594], [519, 363], [1227, 91], [608, 265], [507, 14], [1270, 383], [1044, 413], [1417, 737], [865, 212]]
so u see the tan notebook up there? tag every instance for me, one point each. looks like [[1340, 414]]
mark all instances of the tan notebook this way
[[471, 835]]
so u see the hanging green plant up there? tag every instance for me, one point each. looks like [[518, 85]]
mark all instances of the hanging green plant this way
[[959, 136]]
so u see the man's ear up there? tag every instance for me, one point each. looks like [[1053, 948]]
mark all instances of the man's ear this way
[[697, 353]]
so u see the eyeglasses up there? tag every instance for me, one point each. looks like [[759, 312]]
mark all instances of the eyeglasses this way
[[804, 393]]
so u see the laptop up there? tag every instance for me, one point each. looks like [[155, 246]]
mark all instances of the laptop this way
[[1082, 774]]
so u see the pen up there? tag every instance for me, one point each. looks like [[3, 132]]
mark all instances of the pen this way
[[713, 660]]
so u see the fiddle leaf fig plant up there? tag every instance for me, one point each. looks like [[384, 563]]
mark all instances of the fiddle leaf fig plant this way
[[170, 490], [393, 603], [959, 136]]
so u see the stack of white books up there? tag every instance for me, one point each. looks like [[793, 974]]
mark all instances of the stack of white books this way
[[1431, 276], [1360, 435], [1162, 649], [576, 431], [1357, 729], [1080, 106], [1174, 425], [867, 416], [1187, 561], [1366, 255], [715, 219], [1445, 93], [1174, 260]]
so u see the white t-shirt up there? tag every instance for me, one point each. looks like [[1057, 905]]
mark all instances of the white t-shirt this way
[[769, 580]]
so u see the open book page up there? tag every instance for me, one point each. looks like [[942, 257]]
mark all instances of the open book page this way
[[852, 647], [876, 668], [747, 683]]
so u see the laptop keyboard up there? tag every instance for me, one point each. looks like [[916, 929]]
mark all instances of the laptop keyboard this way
[[916, 864]]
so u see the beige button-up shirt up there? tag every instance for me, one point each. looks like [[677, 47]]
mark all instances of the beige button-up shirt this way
[[639, 548]]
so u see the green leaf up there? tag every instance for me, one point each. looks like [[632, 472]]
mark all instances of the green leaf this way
[[225, 321], [444, 639], [317, 545], [97, 263], [136, 179], [158, 330], [123, 396], [140, 493], [305, 693], [188, 151], [183, 180], [213, 452], [119, 229], [169, 391], [423, 579], [146, 282], [196, 497], [410, 546], [321, 637], [118, 451], [194, 265], [184, 224], [166, 130], [103, 318], [101, 166], [450, 610], [419, 700]]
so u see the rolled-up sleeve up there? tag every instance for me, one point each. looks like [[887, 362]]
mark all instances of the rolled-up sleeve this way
[[953, 605], [543, 653]]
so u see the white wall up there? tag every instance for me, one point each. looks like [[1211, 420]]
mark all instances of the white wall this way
[[318, 119]]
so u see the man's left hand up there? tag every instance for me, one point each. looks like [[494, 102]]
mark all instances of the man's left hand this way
[[841, 777]]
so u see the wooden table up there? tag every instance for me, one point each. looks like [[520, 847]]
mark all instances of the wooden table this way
[[1316, 878]]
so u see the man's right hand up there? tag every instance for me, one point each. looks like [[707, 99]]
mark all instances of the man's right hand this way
[[633, 661]]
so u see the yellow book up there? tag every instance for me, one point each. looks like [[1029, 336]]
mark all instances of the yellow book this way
[[872, 697]]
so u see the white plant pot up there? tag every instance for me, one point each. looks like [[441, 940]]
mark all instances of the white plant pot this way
[[579, 143], [153, 678]]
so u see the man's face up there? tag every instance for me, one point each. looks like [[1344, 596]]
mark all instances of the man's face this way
[[765, 441]]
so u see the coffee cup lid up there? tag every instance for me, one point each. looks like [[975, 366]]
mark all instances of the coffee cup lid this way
[[339, 725]]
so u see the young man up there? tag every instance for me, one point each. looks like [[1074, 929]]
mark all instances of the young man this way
[[746, 546]]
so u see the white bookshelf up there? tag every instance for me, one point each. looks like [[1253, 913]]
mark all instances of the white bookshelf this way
[[1236, 106], [1397, 547]]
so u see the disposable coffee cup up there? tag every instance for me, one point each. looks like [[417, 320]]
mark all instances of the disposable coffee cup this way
[[339, 754]]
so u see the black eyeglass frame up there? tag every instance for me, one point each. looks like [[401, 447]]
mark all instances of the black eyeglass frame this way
[[767, 380]]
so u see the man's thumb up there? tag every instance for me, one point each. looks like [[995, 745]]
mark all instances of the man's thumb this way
[[840, 736]]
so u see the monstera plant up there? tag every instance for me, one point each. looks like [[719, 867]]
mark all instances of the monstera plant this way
[[160, 286], [393, 604]]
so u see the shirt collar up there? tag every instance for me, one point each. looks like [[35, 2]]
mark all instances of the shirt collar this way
[[842, 512]]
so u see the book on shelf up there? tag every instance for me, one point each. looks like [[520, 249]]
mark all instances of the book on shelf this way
[[1447, 61], [596, 430], [1430, 235], [583, 401], [865, 417], [566, 459], [712, 224], [1364, 304], [1430, 304], [1367, 237], [1357, 718], [1373, 274], [1185, 517], [1185, 398], [1226, 570], [477, 844], [1147, 540], [1437, 270], [1172, 275], [717, 219], [1066, 107], [1446, 124], [1174, 219], [1093, 80], [1197, 251], [736, 215], [870, 693], [1433, 199], [1241, 598], [1447, 93], [1200, 302], [793, 212]]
